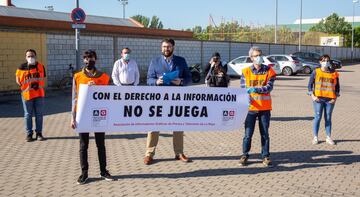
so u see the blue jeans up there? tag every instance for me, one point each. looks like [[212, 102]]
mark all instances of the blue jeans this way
[[264, 123], [319, 108], [33, 106]]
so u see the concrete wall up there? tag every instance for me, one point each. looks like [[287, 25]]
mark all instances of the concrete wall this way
[[61, 53], [56, 50], [12, 53]]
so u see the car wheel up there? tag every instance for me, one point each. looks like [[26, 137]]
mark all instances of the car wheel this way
[[287, 71], [307, 70]]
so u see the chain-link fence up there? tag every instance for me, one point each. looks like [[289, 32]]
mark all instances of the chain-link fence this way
[[267, 35]]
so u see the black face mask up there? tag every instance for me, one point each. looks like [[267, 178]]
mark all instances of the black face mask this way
[[90, 64]]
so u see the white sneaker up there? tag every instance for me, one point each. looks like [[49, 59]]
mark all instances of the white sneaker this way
[[329, 141], [315, 140]]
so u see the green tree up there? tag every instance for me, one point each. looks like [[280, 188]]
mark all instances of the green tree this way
[[160, 26], [356, 38], [155, 22], [333, 24], [142, 19]]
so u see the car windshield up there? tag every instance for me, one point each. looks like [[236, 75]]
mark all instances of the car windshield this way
[[316, 56], [239, 60], [271, 59], [295, 58]]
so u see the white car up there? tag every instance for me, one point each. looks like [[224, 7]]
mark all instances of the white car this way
[[236, 65], [289, 65]]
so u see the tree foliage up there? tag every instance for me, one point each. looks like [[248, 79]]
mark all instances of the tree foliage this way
[[333, 24], [154, 23]]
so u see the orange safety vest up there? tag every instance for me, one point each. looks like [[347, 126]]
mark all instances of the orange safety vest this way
[[32, 81], [258, 102], [325, 83], [80, 77]]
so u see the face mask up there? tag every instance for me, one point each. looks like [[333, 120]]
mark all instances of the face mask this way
[[90, 64], [126, 57], [30, 60], [258, 60], [325, 64]]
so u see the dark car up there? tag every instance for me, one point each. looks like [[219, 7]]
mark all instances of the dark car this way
[[315, 57]]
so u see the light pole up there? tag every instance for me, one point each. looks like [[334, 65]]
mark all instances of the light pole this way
[[352, 30], [276, 20], [300, 25], [77, 42], [124, 3]]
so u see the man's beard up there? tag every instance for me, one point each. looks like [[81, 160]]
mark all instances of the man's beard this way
[[167, 53]]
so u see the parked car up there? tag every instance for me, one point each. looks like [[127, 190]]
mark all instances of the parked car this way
[[289, 65], [315, 57], [308, 67], [236, 65]]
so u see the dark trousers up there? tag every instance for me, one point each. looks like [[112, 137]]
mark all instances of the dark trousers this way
[[84, 144], [264, 123]]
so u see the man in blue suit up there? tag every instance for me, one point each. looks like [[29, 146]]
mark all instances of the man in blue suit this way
[[171, 65]]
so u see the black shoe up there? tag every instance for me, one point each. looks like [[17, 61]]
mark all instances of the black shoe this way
[[29, 138], [40, 137], [82, 179], [106, 175]]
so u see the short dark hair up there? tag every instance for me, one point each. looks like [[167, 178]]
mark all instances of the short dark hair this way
[[89, 53], [216, 54], [168, 40], [127, 48], [324, 57], [31, 50]]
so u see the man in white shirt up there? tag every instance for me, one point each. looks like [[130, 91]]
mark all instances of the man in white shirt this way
[[125, 71]]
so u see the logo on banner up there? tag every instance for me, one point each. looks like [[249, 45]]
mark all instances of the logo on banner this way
[[228, 117], [99, 118]]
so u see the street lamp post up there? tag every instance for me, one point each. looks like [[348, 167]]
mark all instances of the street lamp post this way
[[352, 30], [124, 3], [77, 42], [276, 20], [300, 25]]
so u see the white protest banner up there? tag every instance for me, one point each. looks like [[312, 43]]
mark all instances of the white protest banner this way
[[160, 108]]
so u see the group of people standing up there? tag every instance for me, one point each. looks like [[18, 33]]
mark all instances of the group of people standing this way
[[258, 79]]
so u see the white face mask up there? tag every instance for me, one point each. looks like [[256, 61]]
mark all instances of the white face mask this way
[[325, 64], [30, 60], [258, 60]]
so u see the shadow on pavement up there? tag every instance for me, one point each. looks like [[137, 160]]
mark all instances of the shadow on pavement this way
[[345, 71], [309, 118], [290, 78], [283, 162], [109, 137], [342, 141]]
